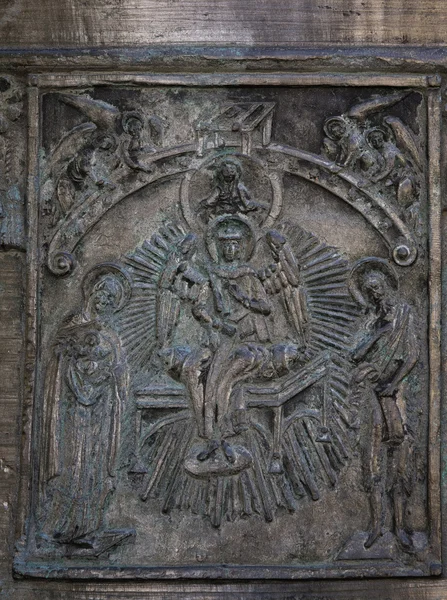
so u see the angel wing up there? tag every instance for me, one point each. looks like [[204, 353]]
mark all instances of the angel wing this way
[[405, 139], [101, 113], [173, 286], [151, 316], [329, 317], [284, 277], [363, 109], [68, 147]]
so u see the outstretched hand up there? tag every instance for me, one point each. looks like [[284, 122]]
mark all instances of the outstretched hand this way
[[237, 293]]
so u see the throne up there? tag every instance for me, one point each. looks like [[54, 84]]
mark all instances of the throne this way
[[272, 396]]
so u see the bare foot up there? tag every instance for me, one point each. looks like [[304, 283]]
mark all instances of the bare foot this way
[[211, 448], [228, 451], [404, 540], [373, 537]]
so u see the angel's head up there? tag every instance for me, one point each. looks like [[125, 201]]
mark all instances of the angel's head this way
[[231, 239], [377, 137], [374, 285], [105, 142], [335, 128], [231, 244], [373, 282], [106, 295], [132, 123]]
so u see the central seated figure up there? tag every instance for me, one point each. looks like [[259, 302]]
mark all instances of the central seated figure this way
[[232, 306]]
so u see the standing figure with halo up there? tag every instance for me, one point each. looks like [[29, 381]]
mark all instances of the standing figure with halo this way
[[84, 398], [385, 353]]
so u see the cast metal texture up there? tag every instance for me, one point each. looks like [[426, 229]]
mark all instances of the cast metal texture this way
[[233, 326]]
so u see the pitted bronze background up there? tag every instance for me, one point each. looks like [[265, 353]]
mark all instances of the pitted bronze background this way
[[228, 354]]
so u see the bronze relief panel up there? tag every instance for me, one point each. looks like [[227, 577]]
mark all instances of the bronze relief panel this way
[[234, 297]]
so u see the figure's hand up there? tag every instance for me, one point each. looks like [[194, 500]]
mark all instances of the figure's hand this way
[[228, 329], [237, 293], [366, 371], [146, 168], [355, 354], [386, 389]]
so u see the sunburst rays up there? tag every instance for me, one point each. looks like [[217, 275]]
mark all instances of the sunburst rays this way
[[138, 322], [310, 463]]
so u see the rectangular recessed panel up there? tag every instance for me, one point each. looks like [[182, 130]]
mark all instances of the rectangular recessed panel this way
[[234, 322]]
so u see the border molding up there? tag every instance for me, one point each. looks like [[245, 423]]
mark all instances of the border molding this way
[[42, 82]]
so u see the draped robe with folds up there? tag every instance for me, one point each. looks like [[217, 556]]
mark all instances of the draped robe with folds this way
[[85, 390]]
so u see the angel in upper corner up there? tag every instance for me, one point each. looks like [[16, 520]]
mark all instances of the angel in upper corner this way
[[139, 140], [94, 156], [233, 303], [381, 150]]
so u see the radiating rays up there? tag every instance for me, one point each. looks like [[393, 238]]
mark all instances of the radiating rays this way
[[138, 323]]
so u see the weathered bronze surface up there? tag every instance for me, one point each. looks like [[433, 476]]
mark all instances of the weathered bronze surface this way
[[233, 311]]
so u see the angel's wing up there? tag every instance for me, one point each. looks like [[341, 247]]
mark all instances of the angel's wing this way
[[284, 278], [321, 273], [103, 114], [68, 147], [168, 301], [363, 109], [405, 139], [150, 318]]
